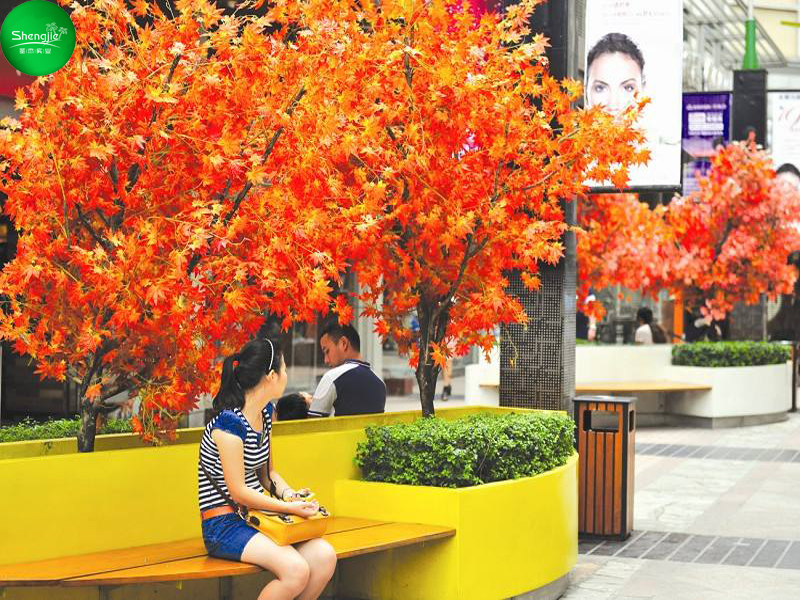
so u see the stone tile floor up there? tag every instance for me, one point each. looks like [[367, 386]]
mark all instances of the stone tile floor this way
[[716, 515]]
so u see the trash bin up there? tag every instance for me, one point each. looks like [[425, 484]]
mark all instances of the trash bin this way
[[606, 428]]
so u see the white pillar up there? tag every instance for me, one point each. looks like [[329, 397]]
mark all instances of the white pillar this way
[[371, 346]]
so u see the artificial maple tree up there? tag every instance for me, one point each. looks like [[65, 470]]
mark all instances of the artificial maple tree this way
[[621, 241], [459, 148], [168, 192], [733, 236]]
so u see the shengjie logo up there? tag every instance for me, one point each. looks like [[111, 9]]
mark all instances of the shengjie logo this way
[[37, 38], [53, 34]]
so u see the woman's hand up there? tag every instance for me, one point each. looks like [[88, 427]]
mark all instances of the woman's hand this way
[[302, 509], [290, 495]]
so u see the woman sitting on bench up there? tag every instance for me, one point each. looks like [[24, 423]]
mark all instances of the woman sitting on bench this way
[[235, 453]]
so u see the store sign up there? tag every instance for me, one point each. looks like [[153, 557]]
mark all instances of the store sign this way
[[706, 126]]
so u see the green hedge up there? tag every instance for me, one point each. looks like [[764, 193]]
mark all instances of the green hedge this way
[[28, 429], [730, 354], [469, 451]]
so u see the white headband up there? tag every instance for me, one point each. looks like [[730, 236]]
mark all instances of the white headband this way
[[271, 355]]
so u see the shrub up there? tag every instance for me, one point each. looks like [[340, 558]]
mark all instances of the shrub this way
[[730, 354], [28, 429], [470, 451]]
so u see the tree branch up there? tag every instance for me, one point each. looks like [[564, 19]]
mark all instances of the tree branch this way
[[718, 247], [196, 257], [106, 245], [135, 170], [95, 369]]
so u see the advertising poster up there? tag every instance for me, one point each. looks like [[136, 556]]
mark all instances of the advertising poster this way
[[706, 125], [635, 48], [785, 116]]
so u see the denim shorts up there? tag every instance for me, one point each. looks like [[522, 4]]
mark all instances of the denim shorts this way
[[226, 536]]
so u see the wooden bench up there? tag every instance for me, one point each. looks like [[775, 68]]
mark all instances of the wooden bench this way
[[630, 387], [187, 559], [627, 387]]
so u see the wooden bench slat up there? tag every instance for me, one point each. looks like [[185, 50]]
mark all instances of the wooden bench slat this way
[[69, 567], [347, 543], [57, 569], [200, 567], [639, 386]]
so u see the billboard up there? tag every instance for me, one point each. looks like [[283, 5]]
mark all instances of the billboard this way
[[785, 117], [706, 125], [635, 48]]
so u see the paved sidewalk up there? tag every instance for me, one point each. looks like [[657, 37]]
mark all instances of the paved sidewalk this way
[[716, 515]]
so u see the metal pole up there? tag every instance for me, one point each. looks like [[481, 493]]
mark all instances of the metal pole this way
[[750, 60], [794, 377]]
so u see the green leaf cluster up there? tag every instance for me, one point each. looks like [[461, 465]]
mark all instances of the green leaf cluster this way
[[465, 452], [730, 354], [28, 429]]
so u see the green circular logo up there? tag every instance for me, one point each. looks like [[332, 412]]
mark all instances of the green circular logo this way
[[37, 37]]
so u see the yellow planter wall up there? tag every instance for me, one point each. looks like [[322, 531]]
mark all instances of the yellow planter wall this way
[[100, 500], [123, 441], [121, 498], [511, 537]]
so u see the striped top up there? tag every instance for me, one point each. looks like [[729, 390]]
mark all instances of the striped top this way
[[256, 454]]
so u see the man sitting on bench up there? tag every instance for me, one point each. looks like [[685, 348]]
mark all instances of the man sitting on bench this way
[[350, 387]]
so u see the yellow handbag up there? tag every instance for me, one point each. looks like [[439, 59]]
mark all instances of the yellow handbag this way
[[281, 528], [285, 529]]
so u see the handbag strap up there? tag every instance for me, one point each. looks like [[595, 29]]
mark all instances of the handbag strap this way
[[239, 508], [273, 490]]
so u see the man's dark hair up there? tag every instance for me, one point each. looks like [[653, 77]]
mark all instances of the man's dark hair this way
[[613, 43], [335, 331], [788, 168], [291, 406], [645, 315]]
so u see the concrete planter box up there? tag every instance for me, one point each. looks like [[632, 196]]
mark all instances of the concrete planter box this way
[[512, 537], [622, 363], [738, 395]]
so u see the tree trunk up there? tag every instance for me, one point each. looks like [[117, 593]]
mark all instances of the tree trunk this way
[[432, 327], [427, 374], [88, 430]]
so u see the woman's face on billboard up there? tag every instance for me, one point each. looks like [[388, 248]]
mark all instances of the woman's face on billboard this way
[[613, 82], [789, 181]]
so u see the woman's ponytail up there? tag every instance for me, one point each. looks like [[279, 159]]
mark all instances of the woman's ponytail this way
[[230, 394]]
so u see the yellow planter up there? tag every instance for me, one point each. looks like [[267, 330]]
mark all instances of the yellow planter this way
[[511, 537], [101, 499]]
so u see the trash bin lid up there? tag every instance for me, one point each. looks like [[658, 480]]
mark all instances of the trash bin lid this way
[[606, 399]]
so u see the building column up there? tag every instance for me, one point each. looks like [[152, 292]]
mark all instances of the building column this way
[[537, 360], [371, 345]]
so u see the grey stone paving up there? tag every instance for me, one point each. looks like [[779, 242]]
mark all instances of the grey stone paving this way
[[720, 452], [703, 549], [716, 516]]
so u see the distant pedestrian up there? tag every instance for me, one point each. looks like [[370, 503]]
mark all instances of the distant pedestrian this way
[[648, 332]]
